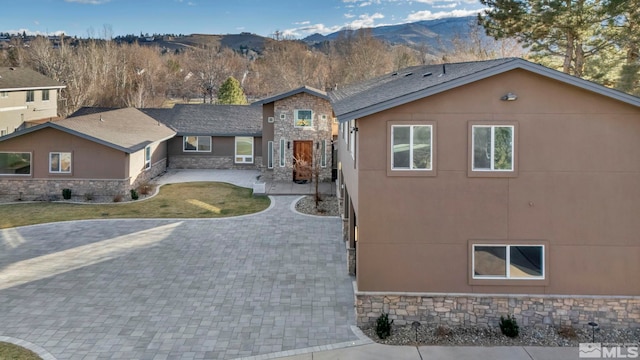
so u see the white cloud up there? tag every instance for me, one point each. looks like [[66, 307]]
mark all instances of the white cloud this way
[[302, 23], [363, 21], [445, 6], [349, 16], [428, 15], [92, 2]]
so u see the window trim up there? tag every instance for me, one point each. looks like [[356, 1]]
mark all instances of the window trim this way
[[517, 281], [147, 157], [283, 157], [32, 97], [48, 97], [471, 172], [30, 163], [184, 142], [246, 159], [323, 154], [60, 162], [270, 154], [434, 148], [295, 118]]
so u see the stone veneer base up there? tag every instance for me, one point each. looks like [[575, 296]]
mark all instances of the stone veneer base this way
[[485, 309]]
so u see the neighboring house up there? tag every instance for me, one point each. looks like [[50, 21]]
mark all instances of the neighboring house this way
[[27, 98], [213, 136], [297, 125], [103, 154], [481, 189]]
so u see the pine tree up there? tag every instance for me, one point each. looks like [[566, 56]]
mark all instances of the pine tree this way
[[230, 93]]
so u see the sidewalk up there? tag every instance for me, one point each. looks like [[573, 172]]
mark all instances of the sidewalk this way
[[386, 352]]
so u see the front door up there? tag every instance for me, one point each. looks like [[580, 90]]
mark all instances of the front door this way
[[302, 160]]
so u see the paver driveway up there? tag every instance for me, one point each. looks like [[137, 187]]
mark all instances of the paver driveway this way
[[177, 289]]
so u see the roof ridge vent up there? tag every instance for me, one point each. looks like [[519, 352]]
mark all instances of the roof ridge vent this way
[[394, 74], [408, 74], [427, 74]]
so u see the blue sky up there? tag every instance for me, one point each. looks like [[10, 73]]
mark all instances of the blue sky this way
[[296, 18]]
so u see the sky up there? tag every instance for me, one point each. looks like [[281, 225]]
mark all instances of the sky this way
[[293, 18]]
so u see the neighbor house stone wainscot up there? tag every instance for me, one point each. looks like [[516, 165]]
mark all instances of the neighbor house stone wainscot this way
[[485, 310], [209, 162]]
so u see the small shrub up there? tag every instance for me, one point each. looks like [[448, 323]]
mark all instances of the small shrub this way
[[509, 326], [443, 331], [117, 198], [383, 326], [145, 189], [66, 194], [88, 196], [134, 194], [568, 332]]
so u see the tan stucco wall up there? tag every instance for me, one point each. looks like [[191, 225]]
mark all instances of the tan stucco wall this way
[[14, 109], [576, 188]]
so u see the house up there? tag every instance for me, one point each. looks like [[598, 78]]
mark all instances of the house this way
[[27, 98], [297, 125], [480, 189], [212, 136], [102, 154]]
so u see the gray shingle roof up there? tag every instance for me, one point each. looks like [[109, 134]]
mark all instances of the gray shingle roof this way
[[303, 89], [417, 82], [15, 78], [212, 120]]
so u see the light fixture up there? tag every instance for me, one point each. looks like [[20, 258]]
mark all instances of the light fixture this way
[[288, 144], [509, 97], [355, 233]]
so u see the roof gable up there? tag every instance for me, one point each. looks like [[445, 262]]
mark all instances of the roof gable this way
[[304, 89], [418, 82], [15, 79], [127, 130]]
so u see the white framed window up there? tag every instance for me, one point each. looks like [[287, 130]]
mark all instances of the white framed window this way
[[282, 153], [15, 163], [197, 144], [147, 157], [60, 162], [4, 94], [244, 150], [411, 147], [270, 154], [492, 147], [303, 118], [45, 95], [30, 95], [283, 116], [500, 261], [323, 153], [352, 138]]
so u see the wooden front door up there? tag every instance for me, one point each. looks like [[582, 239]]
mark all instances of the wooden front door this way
[[302, 160]]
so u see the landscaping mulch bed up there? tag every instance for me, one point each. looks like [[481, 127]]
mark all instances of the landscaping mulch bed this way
[[328, 206]]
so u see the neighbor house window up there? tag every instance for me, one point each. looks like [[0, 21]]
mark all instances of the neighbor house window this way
[[147, 157], [282, 153], [30, 95], [492, 147], [45, 95], [508, 262], [411, 147], [303, 118], [60, 162], [4, 94], [244, 149], [15, 163], [270, 155], [197, 144], [352, 138]]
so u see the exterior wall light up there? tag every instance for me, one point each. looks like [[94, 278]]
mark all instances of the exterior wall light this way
[[509, 97]]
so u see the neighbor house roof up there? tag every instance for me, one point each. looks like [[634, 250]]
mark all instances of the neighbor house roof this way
[[211, 120], [16, 78], [304, 89], [128, 130], [417, 82]]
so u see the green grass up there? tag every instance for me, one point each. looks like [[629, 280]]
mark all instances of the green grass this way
[[183, 200], [15, 352]]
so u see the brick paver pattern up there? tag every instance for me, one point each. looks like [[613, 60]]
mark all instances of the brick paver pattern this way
[[177, 289]]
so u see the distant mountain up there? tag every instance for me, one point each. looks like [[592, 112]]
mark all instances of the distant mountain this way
[[434, 34]]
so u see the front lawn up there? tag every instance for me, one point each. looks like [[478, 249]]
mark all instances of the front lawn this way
[[182, 200], [15, 352]]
